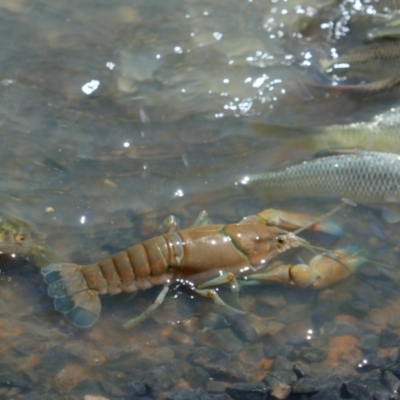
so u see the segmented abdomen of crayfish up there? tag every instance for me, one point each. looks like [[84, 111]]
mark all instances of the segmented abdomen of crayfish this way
[[196, 255]]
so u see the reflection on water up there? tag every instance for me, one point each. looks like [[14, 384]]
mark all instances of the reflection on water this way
[[113, 116]]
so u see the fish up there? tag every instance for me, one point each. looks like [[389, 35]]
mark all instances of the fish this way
[[372, 62], [365, 177], [379, 134]]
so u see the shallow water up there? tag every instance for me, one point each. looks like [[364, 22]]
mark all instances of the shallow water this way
[[112, 117]]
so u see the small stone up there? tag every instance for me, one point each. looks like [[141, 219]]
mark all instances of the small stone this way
[[136, 388], [359, 390], [215, 387], [242, 326], [328, 393], [162, 354], [275, 377], [391, 381], [280, 391], [196, 377], [286, 351], [282, 364], [299, 370], [389, 338], [222, 339], [368, 342], [90, 397], [180, 394], [55, 359], [49, 210], [248, 391], [167, 376], [338, 328], [313, 354], [306, 385], [212, 360], [393, 320], [213, 321]]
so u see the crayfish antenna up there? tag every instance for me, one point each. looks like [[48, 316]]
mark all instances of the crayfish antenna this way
[[72, 297], [335, 229]]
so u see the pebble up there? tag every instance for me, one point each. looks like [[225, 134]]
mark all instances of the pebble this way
[[280, 391], [393, 320], [275, 377], [286, 351], [136, 388], [248, 391], [223, 339], [196, 377], [313, 354], [368, 342], [388, 338], [213, 321], [306, 385], [338, 328]]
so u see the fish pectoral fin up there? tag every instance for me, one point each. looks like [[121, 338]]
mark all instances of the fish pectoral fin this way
[[391, 213], [337, 152]]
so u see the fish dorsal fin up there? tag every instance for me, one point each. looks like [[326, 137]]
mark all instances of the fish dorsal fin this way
[[340, 151]]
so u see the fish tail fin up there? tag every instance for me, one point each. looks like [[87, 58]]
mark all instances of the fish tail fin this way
[[72, 297]]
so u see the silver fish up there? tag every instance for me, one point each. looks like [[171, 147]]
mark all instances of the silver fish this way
[[366, 177], [382, 133]]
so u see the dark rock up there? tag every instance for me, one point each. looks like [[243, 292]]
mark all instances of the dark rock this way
[[85, 387], [272, 378], [299, 370], [209, 358], [286, 351], [215, 387], [368, 342], [242, 327], [282, 364], [55, 359], [111, 389], [185, 394], [389, 338], [39, 396], [167, 376], [136, 388], [223, 339], [306, 385], [357, 307], [213, 321], [359, 390], [235, 372], [373, 362], [248, 391], [21, 381], [339, 328], [327, 393], [196, 377], [181, 394], [313, 354], [393, 320], [390, 381]]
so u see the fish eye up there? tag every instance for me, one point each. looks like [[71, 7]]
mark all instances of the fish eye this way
[[20, 237]]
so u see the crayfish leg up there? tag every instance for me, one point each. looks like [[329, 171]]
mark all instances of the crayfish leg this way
[[227, 277], [159, 300], [213, 295]]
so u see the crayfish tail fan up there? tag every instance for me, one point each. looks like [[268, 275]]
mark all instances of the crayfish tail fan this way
[[72, 297]]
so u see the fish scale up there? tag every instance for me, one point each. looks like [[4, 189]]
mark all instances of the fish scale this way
[[363, 176]]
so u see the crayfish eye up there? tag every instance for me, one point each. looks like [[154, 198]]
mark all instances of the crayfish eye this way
[[280, 240], [20, 237]]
